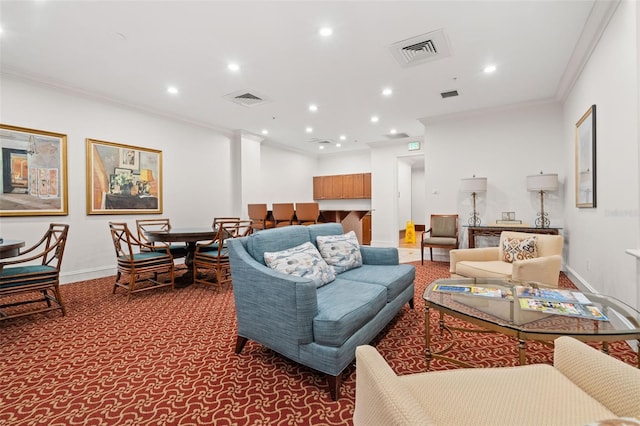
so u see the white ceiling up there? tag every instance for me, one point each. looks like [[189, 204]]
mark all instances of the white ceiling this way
[[130, 51]]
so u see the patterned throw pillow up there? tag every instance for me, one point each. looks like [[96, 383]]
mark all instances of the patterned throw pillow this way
[[519, 249], [342, 252], [302, 261]]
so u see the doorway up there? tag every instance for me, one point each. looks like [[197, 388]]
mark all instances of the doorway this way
[[411, 196]]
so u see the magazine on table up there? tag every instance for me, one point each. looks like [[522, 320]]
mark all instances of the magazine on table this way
[[563, 308], [552, 294], [492, 292]]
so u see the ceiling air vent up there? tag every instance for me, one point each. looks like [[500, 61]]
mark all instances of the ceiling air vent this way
[[422, 48], [321, 141], [399, 135], [449, 94], [247, 98]]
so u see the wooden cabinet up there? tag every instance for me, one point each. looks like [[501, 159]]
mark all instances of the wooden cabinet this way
[[337, 187], [358, 221]]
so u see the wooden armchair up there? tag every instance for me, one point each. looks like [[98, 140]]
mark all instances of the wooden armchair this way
[[443, 234], [307, 213], [35, 270], [162, 224], [283, 214], [141, 262]]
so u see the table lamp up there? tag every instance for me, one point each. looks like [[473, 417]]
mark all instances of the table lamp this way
[[542, 183], [474, 185], [146, 177]]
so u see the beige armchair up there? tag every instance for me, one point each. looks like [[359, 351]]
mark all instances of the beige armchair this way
[[524, 264], [582, 387]]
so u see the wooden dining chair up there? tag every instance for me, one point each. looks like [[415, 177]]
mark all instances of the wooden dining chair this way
[[307, 213], [35, 270], [141, 263], [218, 260], [259, 215], [283, 214], [443, 233], [158, 224]]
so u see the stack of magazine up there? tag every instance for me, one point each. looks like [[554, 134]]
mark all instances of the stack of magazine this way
[[545, 300]]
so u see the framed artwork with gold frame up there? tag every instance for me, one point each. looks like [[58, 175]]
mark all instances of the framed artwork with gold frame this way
[[586, 159], [34, 172], [123, 179]]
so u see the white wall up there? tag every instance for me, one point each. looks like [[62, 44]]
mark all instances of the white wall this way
[[504, 146], [598, 237], [285, 176], [404, 193], [418, 204]]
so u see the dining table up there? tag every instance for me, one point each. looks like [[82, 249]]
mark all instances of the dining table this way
[[190, 236], [10, 248]]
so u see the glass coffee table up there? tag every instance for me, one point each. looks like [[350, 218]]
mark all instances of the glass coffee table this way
[[500, 306]]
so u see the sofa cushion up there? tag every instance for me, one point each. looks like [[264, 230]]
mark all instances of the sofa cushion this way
[[342, 252], [519, 249], [302, 261], [344, 307], [396, 278], [525, 395], [482, 269], [276, 239]]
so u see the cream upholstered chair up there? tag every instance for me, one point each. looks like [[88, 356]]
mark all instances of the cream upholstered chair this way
[[443, 233], [584, 386], [521, 256]]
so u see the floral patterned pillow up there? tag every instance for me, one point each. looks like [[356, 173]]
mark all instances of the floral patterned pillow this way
[[519, 249], [342, 252], [302, 261]]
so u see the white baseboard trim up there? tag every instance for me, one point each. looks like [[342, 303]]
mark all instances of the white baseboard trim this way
[[92, 274]]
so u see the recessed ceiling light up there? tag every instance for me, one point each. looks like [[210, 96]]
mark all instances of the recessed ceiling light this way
[[393, 131], [338, 145], [489, 69], [325, 31], [343, 138], [233, 66], [313, 107], [173, 90], [309, 129], [265, 132], [321, 147], [375, 119], [387, 91]]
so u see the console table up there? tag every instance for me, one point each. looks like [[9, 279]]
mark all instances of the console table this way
[[496, 230]]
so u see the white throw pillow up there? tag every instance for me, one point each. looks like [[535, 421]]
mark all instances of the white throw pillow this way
[[342, 252], [302, 261]]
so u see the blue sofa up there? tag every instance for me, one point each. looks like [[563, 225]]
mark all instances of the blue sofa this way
[[317, 327]]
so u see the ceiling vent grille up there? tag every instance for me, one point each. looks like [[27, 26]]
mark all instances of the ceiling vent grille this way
[[247, 98], [321, 141], [399, 135], [449, 94], [422, 48]]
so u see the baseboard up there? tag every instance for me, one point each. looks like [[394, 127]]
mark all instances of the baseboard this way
[[92, 274]]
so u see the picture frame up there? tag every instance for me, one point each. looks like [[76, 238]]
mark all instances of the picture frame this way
[[34, 172], [114, 184], [585, 161]]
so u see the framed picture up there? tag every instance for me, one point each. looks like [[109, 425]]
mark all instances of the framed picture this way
[[34, 172], [123, 179], [586, 159]]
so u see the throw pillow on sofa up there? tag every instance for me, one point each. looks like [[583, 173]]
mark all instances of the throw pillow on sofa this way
[[342, 252], [519, 249], [302, 261]]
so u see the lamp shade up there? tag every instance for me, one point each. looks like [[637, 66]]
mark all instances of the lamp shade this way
[[146, 175], [474, 184], [542, 182]]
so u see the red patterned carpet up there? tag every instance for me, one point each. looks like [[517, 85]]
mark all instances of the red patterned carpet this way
[[168, 358]]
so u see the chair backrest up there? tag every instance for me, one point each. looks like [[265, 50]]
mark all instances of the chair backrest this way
[[444, 225], [144, 225], [546, 245], [124, 242], [50, 248], [235, 228], [307, 212], [283, 213], [257, 211], [218, 220]]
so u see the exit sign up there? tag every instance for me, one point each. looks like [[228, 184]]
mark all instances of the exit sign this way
[[414, 146]]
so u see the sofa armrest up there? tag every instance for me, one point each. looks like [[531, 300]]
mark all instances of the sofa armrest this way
[[545, 270], [272, 308], [381, 399], [482, 254], [379, 255], [613, 383]]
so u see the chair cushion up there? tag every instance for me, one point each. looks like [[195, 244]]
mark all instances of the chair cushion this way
[[13, 274], [396, 278], [342, 252], [440, 241], [487, 269], [519, 249], [302, 261], [344, 307]]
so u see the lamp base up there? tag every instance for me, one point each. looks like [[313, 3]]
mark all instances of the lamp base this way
[[542, 221]]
